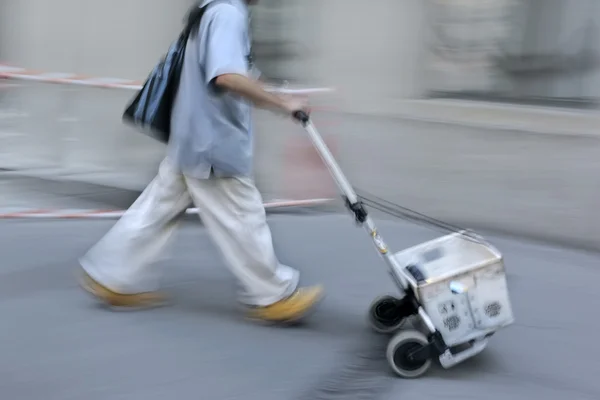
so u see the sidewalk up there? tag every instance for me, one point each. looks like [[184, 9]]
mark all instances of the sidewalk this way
[[519, 169], [485, 115]]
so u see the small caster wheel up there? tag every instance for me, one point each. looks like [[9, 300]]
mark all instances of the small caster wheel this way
[[398, 350], [386, 314]]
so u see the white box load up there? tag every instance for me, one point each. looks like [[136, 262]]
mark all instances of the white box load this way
[[460, 281]]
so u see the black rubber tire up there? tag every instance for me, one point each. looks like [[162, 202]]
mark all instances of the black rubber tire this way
[[381, 315], [399, 347]]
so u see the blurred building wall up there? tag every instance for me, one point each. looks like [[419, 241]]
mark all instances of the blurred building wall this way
[[333, 42], [119, 38], [517, 49], [383, 49], [369, 49]]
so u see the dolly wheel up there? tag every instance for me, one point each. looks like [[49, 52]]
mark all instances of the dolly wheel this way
[[386, 314], [399, 350]]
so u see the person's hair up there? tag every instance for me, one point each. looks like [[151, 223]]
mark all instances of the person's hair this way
[[193, 12], [193, 16]]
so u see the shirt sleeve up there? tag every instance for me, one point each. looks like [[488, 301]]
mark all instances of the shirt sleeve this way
[[226, 45]]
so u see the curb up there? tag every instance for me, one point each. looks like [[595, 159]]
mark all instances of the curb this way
[[115, 214]]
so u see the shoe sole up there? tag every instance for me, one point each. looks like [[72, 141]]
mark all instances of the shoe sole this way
[[84, 283], [294, 321]]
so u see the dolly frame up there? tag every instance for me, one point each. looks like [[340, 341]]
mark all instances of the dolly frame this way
[[436, 347], [362, 218]]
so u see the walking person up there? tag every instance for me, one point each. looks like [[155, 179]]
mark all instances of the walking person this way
[[208, 163]]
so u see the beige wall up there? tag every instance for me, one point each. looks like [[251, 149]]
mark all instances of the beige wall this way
[[375, 49], [374, 53], [372, 48], [121, 38]]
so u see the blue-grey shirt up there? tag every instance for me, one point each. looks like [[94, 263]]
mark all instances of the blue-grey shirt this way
[[212, 130]]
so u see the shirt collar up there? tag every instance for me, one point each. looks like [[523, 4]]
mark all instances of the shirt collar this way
[[239, 4]]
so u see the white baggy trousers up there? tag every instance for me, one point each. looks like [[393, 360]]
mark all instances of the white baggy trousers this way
[[232, 211]]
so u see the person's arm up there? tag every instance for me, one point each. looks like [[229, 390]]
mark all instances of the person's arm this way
[[254, 91], [227, 67]]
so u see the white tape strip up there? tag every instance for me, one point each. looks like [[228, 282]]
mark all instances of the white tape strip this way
[[65, 78], [112, 214]]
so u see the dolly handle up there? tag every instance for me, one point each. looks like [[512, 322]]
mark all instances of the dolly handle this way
[[327, 157], [356, 207]]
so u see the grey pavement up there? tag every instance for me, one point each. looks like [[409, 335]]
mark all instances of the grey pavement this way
[[18, 191], [56, 343]]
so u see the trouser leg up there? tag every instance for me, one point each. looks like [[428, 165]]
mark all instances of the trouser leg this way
[[123, 260], [233, 212]]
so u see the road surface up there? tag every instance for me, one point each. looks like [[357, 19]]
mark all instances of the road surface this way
[[57, 344]]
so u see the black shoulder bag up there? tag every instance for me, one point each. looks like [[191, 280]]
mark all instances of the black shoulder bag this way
[[151, 108]]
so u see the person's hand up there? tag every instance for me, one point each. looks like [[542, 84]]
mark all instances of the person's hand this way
[[292, 104]]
